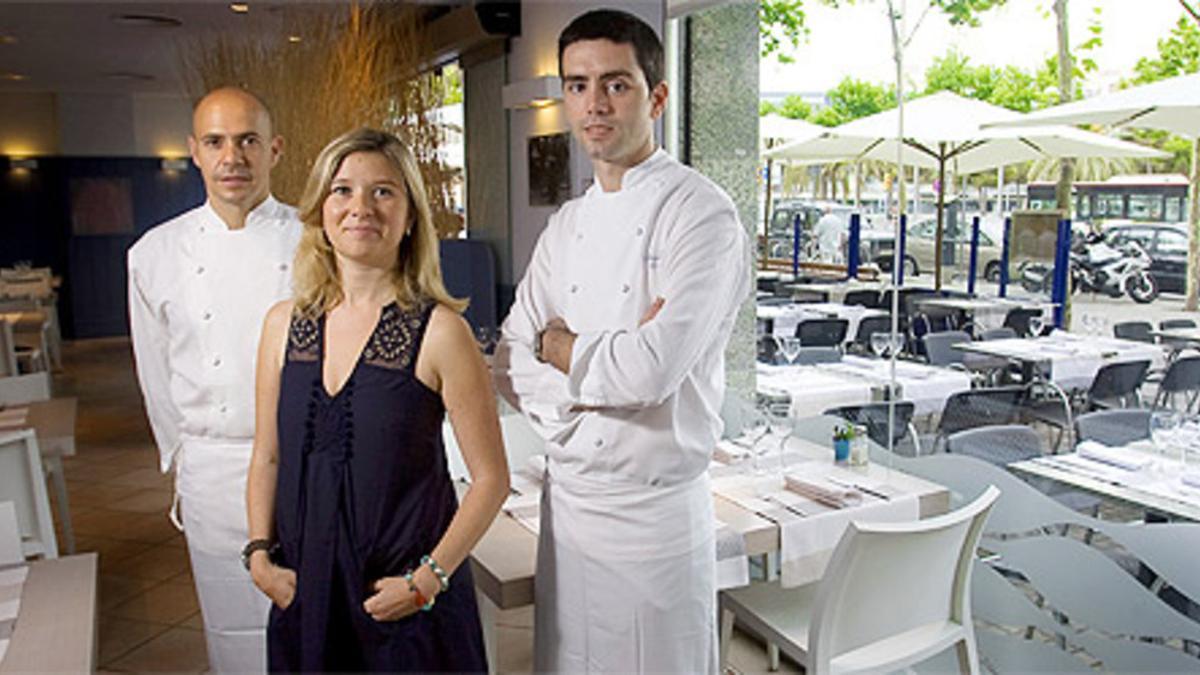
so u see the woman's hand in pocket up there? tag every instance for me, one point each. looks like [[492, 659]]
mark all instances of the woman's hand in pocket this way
[[278, 583]]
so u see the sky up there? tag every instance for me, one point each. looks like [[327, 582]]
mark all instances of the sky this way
[[855, 40]]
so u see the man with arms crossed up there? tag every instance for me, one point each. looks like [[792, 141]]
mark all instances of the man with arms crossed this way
[[198, 286], [614, 350]]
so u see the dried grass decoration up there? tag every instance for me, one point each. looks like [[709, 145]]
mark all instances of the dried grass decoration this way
[[325, 70]]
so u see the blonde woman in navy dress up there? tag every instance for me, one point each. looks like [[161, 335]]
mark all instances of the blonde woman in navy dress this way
[[356, 534]]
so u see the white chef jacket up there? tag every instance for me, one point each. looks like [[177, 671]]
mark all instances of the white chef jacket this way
[[653, 392], [626, 556], [198, 292]]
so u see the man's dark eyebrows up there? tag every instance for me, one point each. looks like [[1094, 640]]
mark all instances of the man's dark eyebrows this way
[[614, 74]]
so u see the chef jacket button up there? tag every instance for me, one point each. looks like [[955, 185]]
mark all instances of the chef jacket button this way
[[282, 267], [208, 316], [655, 482], [224, 409], [599, 442], [579, 237], [624, 288], [640, 231], [216, 361], [200, 269], [574, 288]]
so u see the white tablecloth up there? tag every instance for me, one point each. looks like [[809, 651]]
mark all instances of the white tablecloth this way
[[1074, 359], [857, 380], [785, 317]]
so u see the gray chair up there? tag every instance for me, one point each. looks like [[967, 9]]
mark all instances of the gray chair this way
[[822, 332], [1182, 378], [1168, 324], [1018, 319], [874, 416], [864, 297], [1001, 333], [1134, 330], [808, 356], [1113, 427], [1116, 385], [868, 326], [939, 347], [980, 407]]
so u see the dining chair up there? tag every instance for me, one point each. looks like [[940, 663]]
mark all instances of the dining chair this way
[[868, 326], [875, 417], [22, 482], [10, 535], [768, 350], [1134, 330], [822, 332], [1117, 427], [25, 388], [1181, 378], [979, 407], [1018, 318], [1169, 324], [939, 348], [893, 595], [1000, 333], [863, 297], [1116, 385]]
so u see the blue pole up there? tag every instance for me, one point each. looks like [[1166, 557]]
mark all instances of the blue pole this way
[[898, 272], [1062, 271], [1005, 239], [974, 255], [795, 247], [853, 255]]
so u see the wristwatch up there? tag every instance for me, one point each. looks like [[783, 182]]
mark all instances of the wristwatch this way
[[252, 546]]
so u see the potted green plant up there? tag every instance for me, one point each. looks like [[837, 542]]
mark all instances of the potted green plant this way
[[842, 436]]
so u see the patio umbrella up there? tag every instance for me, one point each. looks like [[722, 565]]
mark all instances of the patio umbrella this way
[[1169, 105], [946, 128], [774, 129]]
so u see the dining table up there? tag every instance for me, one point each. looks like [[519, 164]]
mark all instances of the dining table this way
[[54, 606], [755, 515], [1068, 360], [781, 320], [53, 422], [984, 312]]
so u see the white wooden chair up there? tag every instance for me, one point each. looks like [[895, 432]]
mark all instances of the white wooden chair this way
[[8, 351], [25, 388], [22, 483], [10, 535], [893, 595]]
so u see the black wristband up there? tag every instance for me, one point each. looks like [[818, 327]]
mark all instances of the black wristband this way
[[252, 546]]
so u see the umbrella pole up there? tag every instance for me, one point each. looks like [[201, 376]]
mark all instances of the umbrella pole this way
[[1193, 262], [941, 215]]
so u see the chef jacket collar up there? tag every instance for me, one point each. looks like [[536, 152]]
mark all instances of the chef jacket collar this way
[[635, 174], [266, 212]]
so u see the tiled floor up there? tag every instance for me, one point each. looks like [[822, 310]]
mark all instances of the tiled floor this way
[[149, 616]]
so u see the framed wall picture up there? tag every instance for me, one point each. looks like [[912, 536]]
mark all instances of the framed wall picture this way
[[549, 169], [101, 206]]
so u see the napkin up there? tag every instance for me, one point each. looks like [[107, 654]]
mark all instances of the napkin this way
[[1117, 457], [823, 492], [728, 452], [1191, 479]]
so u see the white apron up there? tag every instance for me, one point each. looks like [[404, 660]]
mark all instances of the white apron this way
[[211, 486], [625, 578]]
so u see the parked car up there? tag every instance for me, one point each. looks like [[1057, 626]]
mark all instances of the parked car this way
[[956, 249], [780, 234], [1167, 245]]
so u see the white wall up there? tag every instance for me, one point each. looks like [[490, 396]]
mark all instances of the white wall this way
[[94, 125], [532, 55], [28, 125]]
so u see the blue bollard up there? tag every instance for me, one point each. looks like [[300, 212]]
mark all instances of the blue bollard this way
[[974, 255], [853, 256], [1005, 240], [1062, 271]]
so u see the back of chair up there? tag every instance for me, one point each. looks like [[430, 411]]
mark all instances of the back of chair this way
[[1168, 324], [1001, 333], [875, 417], [868, 326], [885, 579], [822, 332], [23, 483], [1182, 375], [1118, 381], [768, 350], [939, 347], [1134, 330], [25, 388], [808, 356], [8, 351], [980, 408], [10, 535], [1120, 426], [1018, 319], [864, 297], [999, 445]]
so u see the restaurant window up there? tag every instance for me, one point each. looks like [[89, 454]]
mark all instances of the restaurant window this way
[[1174, 210], [1112, 206], [1145, 207]]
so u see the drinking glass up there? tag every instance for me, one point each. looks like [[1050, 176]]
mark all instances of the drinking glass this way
[[779, 421], [789, 347], [1164, 426], [1036, 324], [879, 343], [756, 427]]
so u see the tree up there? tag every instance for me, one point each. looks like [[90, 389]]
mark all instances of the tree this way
[[795, 107], [852, 99], [780, 22], [766, 108]]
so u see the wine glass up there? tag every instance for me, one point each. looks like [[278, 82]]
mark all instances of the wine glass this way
[[779, 421], [1036, 324], [1164, 425], [880, 342], [756, 426], [789, 347]]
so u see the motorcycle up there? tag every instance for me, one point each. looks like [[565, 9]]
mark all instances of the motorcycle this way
[[1098, 267]]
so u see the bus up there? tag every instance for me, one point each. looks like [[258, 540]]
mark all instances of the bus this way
[[1152, 198]]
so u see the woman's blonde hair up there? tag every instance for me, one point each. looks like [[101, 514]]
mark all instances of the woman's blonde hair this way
[[417, 273]]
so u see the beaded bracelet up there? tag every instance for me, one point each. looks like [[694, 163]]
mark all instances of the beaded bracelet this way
[[443, 578], [424, 604]]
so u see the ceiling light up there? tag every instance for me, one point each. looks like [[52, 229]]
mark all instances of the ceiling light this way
[[240, 7], [146, 20], [538, 92], [13, 77], [8, 40], [25, 163], [293, 39]]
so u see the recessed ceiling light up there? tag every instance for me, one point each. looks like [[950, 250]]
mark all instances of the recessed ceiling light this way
[[8, 40], [240, 7], [125, 76], [293, 39], [13, 77], [146, 20]]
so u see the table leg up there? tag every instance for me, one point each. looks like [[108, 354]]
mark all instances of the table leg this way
[[55, 469], [488, 613]]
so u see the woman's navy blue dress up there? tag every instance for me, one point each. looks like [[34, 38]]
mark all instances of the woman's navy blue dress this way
[[363, 493]]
